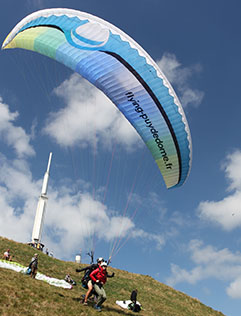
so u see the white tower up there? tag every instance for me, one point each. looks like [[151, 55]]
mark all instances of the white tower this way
[[39, 217]]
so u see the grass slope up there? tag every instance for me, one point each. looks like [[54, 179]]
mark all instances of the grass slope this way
[[21, 295]]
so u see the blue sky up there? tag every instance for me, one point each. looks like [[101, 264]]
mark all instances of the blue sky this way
[[104, 190]]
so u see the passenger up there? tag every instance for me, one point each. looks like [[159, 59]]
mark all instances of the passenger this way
[[86, 280], [99, 278]]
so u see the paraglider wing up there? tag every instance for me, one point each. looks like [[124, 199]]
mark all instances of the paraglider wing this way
[[118, 66]]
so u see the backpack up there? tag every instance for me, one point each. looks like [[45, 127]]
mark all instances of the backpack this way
[[28, 271], [86, 276], [134, 307]]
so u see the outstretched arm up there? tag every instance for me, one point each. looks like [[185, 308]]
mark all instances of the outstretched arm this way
[[110, 275], [83, 269]]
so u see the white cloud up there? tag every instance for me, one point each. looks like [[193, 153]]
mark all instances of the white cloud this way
[[16, 177], [234, 289], [180, 77], [158, 239], [88, 118], [226, 212], [119, 227], [208, 254], [80, 218], [71, 218], [13, 136], [232, 169], [209, 263], [181, 275], [17, 188]]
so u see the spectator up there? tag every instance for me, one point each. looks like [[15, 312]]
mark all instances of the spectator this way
[[34, 266], [7, 255]]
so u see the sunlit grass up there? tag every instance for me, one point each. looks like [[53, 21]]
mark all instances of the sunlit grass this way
[[21, 295]]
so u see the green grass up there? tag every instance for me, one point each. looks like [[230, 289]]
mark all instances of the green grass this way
[[21, 295]]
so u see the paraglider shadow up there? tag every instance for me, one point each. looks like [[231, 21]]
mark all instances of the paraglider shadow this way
[[117, 310]]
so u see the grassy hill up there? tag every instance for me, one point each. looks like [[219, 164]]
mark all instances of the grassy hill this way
[[21, 295]]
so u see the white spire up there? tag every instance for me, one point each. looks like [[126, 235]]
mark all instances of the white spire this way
[[39, 217]]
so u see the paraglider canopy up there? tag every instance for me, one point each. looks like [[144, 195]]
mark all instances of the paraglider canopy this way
[[118, 66]]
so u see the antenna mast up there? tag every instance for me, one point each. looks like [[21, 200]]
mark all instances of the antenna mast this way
[[41, 207]]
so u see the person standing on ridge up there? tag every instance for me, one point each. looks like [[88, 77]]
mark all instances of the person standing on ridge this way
[[34, 266], [134, 305], [134, 296]]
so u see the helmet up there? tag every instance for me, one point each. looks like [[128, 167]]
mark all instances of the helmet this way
[[103, 264], [100, 259]]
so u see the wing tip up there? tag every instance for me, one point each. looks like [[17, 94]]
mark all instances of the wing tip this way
[[5, 42]]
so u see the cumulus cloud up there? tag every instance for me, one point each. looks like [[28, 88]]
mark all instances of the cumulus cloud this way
[[226, 212], [14, 136], [180, 77], [210, 262], [231, 167], [17, 199], [71, 220], [158, 239], [234, 289], [88, 118], [81, 217]]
